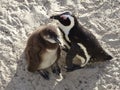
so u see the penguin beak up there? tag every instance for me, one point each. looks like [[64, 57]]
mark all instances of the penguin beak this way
[[57, 40], [55, 17]]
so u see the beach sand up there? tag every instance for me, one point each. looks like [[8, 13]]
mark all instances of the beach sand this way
[[19, 18]]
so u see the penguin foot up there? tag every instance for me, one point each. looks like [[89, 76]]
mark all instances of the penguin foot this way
[[56, 70], [44, 74], [74, 67]]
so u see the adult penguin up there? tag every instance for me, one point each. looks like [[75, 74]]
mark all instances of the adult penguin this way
[[82, 42]]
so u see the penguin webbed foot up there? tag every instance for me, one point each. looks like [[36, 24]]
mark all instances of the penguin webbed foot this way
[[56, 70], [44, 74], [74, 67]]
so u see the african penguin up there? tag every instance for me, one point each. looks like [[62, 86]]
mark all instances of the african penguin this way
[[82, 42], [43, 51]]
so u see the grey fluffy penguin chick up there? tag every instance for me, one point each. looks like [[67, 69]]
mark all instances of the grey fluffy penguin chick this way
[[81, 41], [43, 51]]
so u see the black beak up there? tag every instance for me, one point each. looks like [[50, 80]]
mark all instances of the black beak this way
[[55, 17], [57, 40]]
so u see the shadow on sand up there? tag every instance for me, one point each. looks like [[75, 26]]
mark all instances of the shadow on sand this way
[[83, 79]]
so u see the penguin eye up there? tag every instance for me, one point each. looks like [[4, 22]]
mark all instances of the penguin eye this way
[[48, 31]]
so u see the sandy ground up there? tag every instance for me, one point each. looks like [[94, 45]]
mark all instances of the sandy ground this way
[[18, 18]]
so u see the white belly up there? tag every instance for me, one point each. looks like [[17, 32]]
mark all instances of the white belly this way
[[48, 58]]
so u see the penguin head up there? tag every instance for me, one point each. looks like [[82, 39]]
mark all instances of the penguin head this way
[[65, 20], [49, 34]]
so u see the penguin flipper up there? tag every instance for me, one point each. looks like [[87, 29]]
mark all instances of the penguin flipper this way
[[73, 51], [33, 59]]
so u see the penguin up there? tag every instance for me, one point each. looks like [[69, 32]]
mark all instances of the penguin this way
[[43, 51], [83, 44]]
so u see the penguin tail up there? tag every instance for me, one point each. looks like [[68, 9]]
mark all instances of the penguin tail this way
[[108, 57], [103, 57]]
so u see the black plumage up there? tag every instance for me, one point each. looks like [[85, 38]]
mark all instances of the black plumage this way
[[80, 40]]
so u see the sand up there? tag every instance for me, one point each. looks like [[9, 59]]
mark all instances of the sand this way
[[18, 18]]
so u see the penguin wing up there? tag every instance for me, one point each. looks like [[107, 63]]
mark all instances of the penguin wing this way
[[33, 58]]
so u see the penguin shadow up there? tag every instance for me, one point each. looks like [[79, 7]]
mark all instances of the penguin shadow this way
[[85, 78], [82, 79], [25, 80]]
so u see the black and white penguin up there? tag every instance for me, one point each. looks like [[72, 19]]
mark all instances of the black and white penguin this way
[[82, 42], [43, 51]]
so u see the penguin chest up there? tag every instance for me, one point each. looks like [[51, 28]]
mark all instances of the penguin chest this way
[[48, 58]]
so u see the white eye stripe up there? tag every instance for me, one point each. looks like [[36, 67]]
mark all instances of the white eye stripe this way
[[66, 16], [66, 29], [49, 39]]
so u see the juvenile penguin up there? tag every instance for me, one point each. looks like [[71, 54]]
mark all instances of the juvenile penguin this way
[[43, 51], [82, 42]]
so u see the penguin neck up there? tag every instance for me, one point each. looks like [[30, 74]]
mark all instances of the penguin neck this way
[[51, 45], [66, 29], [64, 37]]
